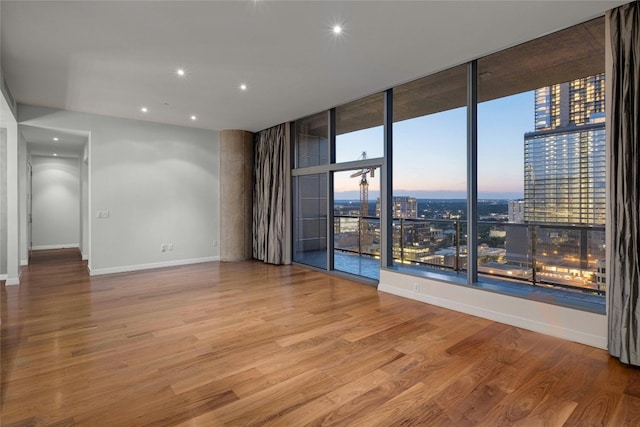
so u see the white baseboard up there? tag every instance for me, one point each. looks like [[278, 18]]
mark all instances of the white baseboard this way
[[561, 322], [49, 247], [137, 267], [24, 262], [11, 281], [85, 257]]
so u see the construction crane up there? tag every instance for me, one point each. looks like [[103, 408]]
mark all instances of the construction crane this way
[[364, 195], [364, 185]]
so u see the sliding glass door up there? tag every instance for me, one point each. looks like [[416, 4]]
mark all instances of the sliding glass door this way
[[356, 222], [338, 159]]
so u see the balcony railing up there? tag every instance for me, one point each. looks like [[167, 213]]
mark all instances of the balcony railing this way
[[357, 234], [539, 254]]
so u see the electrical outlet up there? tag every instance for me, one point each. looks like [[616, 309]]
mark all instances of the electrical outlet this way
[[163, 247], [170, 246], [416, 287]]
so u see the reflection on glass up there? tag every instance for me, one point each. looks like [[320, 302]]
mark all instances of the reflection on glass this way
[[312, 140], [310, 220], [359, 129]]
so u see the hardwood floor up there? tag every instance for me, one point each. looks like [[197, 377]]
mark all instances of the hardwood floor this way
[[252, 344]]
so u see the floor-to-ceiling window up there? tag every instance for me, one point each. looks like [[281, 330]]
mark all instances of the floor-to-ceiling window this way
[[541, 179], [310, 191], [359, 138], [430, 171], [522, 204], [336, 185]]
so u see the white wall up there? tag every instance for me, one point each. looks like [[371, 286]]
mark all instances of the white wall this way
[[23, 155], [3, 203], [574, 325], [10, 239], [56, 202], [158, 183], [84, 204]]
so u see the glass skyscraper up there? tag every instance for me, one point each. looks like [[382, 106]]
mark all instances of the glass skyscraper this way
[[564, 185], [565, 156], [403, 207]]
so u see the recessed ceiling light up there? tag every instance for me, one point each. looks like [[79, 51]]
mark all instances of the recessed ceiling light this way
[[243, 86], [337, 29], [55, 138], [193, 117], [55, 155], [180, 72], [144, 109]]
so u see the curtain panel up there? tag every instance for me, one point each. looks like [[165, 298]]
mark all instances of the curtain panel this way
[[269, 195], [624, 178]]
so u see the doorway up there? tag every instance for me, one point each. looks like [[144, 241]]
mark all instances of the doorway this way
[[55, 202], [356, 222], [336, 220], [56, 215]]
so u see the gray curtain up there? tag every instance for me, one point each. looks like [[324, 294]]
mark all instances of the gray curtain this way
[[269, 195], [624, 176]]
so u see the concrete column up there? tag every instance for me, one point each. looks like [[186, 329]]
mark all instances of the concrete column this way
[[236, 195]]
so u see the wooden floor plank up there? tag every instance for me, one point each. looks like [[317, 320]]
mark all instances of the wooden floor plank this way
[[217, 344], [627, 413]]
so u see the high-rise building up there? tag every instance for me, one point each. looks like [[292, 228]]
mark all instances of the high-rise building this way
[[565, 155], [601, 274], [564, 184], [403, 207], [516, 211]]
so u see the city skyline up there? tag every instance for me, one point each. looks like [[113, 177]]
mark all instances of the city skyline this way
[[550, 233]]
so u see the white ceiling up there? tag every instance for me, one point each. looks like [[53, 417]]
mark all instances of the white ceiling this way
[[40, 141], [113, 57]]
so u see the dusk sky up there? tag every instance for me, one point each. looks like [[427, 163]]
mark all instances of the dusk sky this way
[[430, 152]]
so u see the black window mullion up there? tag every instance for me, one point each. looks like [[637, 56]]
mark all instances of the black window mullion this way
[[386, 185], [472, 172], [330, 199]]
